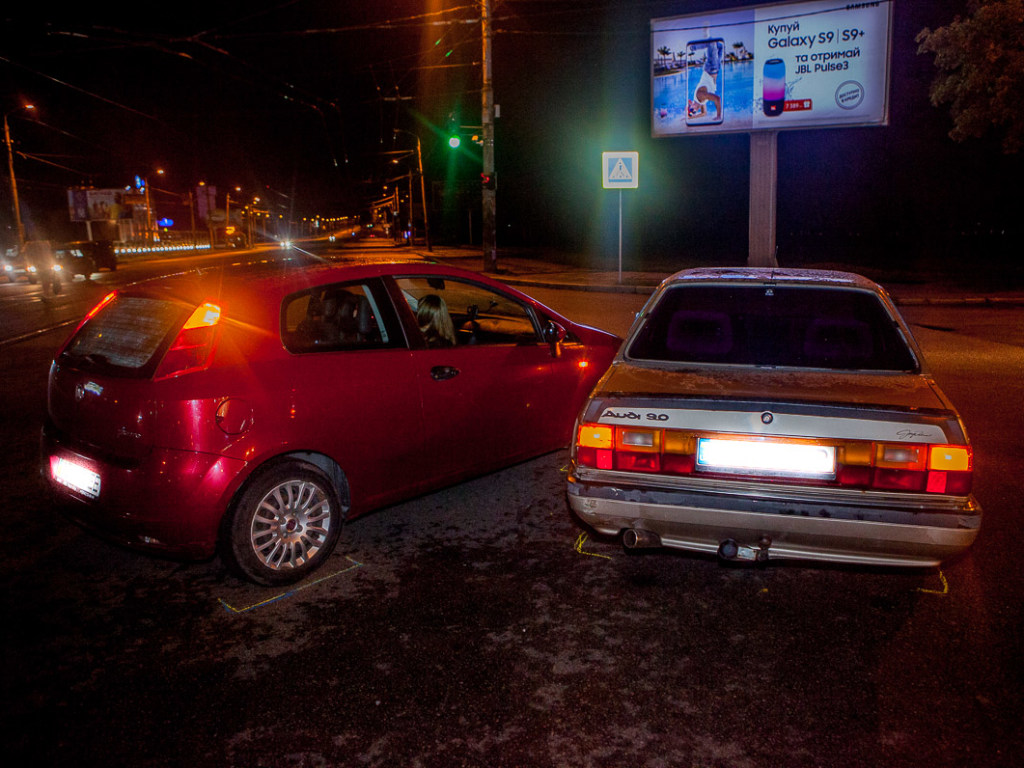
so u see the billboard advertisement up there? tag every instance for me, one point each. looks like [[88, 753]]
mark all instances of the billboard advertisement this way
[[98, 205], [809, 64]]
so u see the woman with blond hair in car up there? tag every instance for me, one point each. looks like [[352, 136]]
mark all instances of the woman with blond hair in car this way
[[434, 321]]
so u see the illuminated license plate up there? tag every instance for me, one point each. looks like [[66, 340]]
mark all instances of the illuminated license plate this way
[[766, 458], [77, 477]]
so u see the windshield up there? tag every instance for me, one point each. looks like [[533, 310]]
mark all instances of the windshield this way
[[789, 326]]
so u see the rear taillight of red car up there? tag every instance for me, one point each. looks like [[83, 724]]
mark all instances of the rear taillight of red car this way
[[192, 349], [861, 464]]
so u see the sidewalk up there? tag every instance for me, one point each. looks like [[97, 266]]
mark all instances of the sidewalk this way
[[976, 287]]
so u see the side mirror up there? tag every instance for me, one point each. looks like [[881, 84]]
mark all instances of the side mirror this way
[[553, 335]]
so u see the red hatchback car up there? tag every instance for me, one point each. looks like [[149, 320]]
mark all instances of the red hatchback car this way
[[252, 410]]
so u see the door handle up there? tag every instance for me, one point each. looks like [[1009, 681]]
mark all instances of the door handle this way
[[442, 372]]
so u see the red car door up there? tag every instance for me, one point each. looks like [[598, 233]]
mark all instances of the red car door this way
[[353, 391], [485, 392], [483, 406]]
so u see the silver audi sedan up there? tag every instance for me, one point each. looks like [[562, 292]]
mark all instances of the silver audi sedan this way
[[775, 413]]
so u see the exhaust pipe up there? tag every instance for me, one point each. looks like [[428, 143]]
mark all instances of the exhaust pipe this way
[[637, 538]]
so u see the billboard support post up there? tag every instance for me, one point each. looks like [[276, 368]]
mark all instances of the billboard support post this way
[[765, 68], [764, 165]]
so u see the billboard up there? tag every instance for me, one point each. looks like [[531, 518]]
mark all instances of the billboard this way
[[809, 64], [98, 205]]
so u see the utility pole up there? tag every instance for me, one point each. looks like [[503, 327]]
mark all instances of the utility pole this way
[[423, 195], [489, 193], [14, 184], [423, 188]]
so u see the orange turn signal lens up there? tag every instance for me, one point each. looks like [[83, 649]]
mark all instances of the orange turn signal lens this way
[[680, 442], [855, 454], [204, 316], [950, 458], [595, 436]]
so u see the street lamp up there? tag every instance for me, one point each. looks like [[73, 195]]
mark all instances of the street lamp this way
[[423, 190], [10, 168]]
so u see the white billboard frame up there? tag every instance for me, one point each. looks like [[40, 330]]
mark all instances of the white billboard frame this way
[[809, 64]]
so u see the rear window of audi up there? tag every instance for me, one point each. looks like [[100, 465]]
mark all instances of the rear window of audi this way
[[127, 337], [773, 326]]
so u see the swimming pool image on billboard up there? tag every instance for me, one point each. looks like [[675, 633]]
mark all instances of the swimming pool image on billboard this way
[[672, 98]]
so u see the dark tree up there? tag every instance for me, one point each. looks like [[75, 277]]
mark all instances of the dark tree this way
[[981, 71]]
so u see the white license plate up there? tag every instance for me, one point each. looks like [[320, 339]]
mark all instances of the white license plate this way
[[766, 458], [77, 477]]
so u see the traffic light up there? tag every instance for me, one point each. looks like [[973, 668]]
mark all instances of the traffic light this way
[[488, 180], [454, 135]]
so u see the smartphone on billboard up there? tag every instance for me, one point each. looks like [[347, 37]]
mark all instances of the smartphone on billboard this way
[[705, 81], [774, 97]]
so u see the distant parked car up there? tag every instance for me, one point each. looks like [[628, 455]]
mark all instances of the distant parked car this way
[[255, 409], [764, 414], [86, 257]]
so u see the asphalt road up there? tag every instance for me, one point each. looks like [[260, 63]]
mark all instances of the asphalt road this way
[[483, 626]]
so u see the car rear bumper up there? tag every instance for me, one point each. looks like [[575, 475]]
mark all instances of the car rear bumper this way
[[885, 529], [171, 501]]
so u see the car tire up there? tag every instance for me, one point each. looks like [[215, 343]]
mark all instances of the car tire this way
[[283, 526]]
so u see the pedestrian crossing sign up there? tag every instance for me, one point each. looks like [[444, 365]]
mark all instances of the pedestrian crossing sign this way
[[620, 170]]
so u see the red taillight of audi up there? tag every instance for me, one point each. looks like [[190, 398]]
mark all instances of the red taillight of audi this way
[[192, 349], [916, 467]]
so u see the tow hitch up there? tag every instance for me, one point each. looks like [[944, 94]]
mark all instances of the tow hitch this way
[[732, 551]]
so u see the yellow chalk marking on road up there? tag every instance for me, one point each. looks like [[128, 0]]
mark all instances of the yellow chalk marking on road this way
[[579, 547], [231, 609], [943, 591]]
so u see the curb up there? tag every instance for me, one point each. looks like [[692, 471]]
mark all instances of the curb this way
[[908, 301], [970, 301], [582, 285]]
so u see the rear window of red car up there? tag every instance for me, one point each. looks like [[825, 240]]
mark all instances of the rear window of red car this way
[[127, 337], [773, 326]]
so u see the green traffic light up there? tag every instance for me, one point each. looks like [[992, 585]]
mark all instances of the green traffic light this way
[[454, 142]]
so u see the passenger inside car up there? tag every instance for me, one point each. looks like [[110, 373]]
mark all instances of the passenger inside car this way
[[434, 321]]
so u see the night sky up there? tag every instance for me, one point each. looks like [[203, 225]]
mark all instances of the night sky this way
[[297, 101]]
